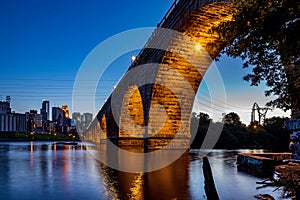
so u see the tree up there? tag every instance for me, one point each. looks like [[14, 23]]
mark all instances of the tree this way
[[204, 117], [265, 34], [199, 127], [275, 127], [232, 118]]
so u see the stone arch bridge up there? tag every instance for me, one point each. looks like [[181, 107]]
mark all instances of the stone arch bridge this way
[[149, 116]]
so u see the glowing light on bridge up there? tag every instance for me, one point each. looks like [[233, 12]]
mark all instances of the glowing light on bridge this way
[[198, 47], [133, 58]]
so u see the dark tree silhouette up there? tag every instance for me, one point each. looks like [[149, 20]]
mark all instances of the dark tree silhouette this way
[[265, 34]]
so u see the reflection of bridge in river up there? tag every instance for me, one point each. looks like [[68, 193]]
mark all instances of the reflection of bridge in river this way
[[149, 116]]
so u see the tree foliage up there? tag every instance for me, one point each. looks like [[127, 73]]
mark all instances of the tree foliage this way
[[265, 34], [272, 135], [232, 118]]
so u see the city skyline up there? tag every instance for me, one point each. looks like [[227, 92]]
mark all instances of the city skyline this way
[[44, 44], [43, 111]]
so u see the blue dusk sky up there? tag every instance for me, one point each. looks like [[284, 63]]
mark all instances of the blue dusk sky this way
[[44, 43]]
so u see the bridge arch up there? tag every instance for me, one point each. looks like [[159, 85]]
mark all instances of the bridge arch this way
[[112, 127], [194, 18], [103, 125], [131, 121], [207, 46]]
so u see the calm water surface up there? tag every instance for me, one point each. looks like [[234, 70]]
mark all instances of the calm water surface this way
[[39, 170]]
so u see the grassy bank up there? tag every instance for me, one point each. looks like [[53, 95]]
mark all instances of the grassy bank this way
[[15, 136]]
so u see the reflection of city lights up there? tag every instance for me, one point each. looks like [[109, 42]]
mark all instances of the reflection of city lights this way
[[31, 146]]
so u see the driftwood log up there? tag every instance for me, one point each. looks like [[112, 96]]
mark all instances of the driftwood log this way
[[209, 184]]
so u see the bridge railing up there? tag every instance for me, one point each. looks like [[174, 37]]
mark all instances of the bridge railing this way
[[175, 18], [185, 8], [168, 12]]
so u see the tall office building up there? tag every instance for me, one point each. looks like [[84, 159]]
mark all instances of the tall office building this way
[[77, 117], [86, 119], [5, 106], [57, 115], [65, 108], [66, 118], [45, 110]]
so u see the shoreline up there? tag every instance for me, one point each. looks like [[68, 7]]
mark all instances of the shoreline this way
[[34, 139]]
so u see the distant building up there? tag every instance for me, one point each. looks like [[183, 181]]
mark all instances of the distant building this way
[[5, 106], [66, 118], [51, 127], [34, 121], [45, 110], [86, 119], [73, 122], [76, 116], [12, 122], [76, 119], [57, 115], [33, 112], [65, 108], [38, 120]]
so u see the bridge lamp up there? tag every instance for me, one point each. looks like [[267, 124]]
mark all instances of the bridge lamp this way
[[133, 58], [198, 47]]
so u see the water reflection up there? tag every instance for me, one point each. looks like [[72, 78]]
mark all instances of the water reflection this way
[[51, 171], [170, 182]]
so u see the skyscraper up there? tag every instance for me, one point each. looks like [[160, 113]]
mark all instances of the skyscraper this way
[[77, 117], [65, 108], [66, 118], [45, 110], [5, 106], [57, 115], [86, 119]]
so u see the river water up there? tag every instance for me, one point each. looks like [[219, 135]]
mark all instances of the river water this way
[[43, 170]]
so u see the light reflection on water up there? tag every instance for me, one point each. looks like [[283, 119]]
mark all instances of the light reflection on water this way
[[38, 170]]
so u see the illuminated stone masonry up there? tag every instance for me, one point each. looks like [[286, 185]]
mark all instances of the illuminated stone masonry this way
[[150, 116]]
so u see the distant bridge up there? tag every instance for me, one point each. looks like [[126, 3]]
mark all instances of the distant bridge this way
[[149, 116]]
